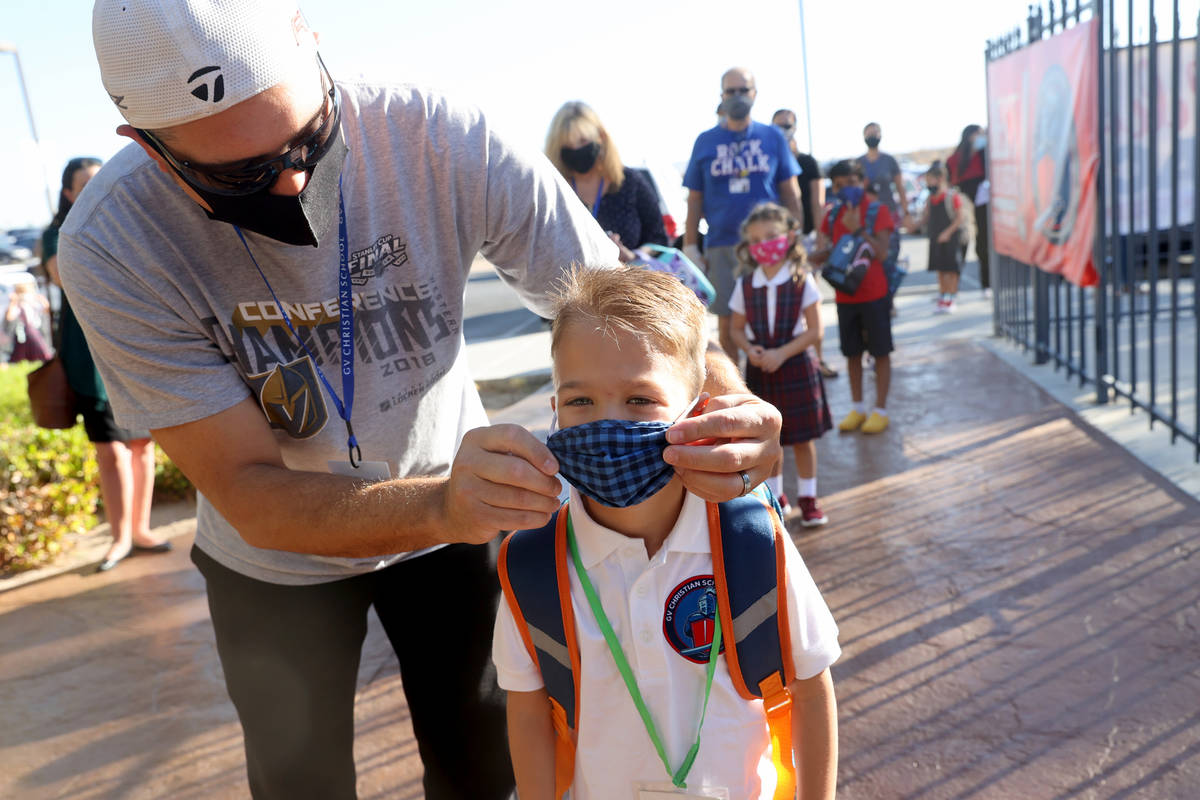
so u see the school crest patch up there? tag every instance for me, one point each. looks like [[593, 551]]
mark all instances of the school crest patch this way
[[690, 618]]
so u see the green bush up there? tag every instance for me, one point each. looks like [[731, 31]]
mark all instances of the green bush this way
[[49, 480], [169, 483]]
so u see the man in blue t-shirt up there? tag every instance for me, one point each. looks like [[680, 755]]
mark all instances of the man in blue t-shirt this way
[[734, 167]]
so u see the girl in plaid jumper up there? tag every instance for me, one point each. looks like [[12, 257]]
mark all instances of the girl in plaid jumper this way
[[777, 321]]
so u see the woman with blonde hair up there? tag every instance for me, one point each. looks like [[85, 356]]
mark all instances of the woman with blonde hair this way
[[620, 199]]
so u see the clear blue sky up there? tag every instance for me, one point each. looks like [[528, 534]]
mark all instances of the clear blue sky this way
[[651, 68]]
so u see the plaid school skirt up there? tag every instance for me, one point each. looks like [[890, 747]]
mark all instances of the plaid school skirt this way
[[798, 391]]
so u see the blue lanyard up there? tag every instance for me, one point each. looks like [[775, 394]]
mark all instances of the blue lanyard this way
[[599, 194], [345, 327]]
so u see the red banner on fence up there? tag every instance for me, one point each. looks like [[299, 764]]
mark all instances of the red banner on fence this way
[[1043, 152]]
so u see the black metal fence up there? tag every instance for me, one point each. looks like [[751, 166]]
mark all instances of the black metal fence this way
[[1134, 337]]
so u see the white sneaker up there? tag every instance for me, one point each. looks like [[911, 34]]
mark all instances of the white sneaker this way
[[943, 307]]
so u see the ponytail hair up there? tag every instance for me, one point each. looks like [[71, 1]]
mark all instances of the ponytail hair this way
[[68, 178], [964, 151], [773, 213]]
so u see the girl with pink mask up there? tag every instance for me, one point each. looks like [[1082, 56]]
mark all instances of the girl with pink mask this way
[[776, 319]]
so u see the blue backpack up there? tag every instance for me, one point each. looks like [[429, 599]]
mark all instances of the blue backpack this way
[[751, 601], [892, 268]]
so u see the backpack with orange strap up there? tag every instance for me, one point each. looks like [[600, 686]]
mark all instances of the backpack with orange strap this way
[[751, 601]]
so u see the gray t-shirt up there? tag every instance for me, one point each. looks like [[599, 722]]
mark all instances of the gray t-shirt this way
[[183, 327], [881, 176]]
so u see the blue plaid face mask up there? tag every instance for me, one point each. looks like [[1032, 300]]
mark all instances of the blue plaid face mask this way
[[616, 462]]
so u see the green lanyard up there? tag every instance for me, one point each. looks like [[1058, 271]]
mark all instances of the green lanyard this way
[[677, 776]]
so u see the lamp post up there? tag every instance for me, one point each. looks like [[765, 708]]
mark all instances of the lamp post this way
[[7, 47], [804, 63]]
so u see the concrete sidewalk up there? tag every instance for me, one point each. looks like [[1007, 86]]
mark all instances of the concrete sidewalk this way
[[1017, 601]]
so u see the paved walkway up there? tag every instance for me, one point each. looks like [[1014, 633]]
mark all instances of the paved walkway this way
[[1018, 606]]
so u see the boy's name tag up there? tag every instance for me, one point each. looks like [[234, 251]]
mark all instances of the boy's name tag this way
[[739, 185], [668, 791], [370, 471]]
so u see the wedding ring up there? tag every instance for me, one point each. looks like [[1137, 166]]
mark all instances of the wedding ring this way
[[746, 487]]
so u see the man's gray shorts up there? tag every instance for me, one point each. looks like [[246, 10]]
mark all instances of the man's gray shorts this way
[[722, 261]]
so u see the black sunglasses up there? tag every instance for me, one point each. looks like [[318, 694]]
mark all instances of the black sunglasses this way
[[259, 175]]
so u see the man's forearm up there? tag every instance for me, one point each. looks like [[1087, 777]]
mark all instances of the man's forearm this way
[[695, 210], [333, 515], [816, 199], [501, 479], [789, 196]]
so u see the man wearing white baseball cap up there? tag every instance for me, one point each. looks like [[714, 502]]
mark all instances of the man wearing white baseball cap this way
[[271, 279]]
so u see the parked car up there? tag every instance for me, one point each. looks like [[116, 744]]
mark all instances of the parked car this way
[[29, 238], [11, 252]]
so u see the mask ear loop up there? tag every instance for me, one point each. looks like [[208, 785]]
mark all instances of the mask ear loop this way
[[693, 408]]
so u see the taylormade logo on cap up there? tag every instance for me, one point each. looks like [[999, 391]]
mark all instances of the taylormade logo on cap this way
[[167, 62]]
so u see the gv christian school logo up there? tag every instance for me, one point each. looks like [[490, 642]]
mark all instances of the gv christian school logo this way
[[690, 618]]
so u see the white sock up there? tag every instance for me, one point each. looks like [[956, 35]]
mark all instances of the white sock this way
[[881, 412], [775, 484], [859, 407], [806, 487]]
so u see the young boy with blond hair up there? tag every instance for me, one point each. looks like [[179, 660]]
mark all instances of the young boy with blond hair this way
[[657, 709]]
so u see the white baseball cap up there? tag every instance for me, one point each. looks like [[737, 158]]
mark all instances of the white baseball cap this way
[[167, 62]]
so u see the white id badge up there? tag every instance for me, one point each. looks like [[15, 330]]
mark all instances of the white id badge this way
[[366, 471], [668, 791], [739, 185]]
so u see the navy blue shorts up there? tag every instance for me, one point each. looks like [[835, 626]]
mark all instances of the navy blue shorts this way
[[865, 327]]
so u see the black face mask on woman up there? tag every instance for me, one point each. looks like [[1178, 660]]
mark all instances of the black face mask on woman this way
[[580, 159], [292, 219]]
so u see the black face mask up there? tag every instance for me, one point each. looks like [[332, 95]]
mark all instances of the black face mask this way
[[872, 141], [737, 107], [581, 159], [301, 219], [934, 188]]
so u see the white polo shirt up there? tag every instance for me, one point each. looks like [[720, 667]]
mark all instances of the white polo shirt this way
[[614, 751], [758, 279]]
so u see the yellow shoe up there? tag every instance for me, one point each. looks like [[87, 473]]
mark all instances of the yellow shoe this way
[[852, 421], [876, 423]]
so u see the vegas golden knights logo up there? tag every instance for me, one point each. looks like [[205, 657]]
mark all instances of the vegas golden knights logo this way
[[291, 398]]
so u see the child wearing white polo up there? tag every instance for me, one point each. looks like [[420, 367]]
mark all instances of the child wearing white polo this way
[[628, 352]]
